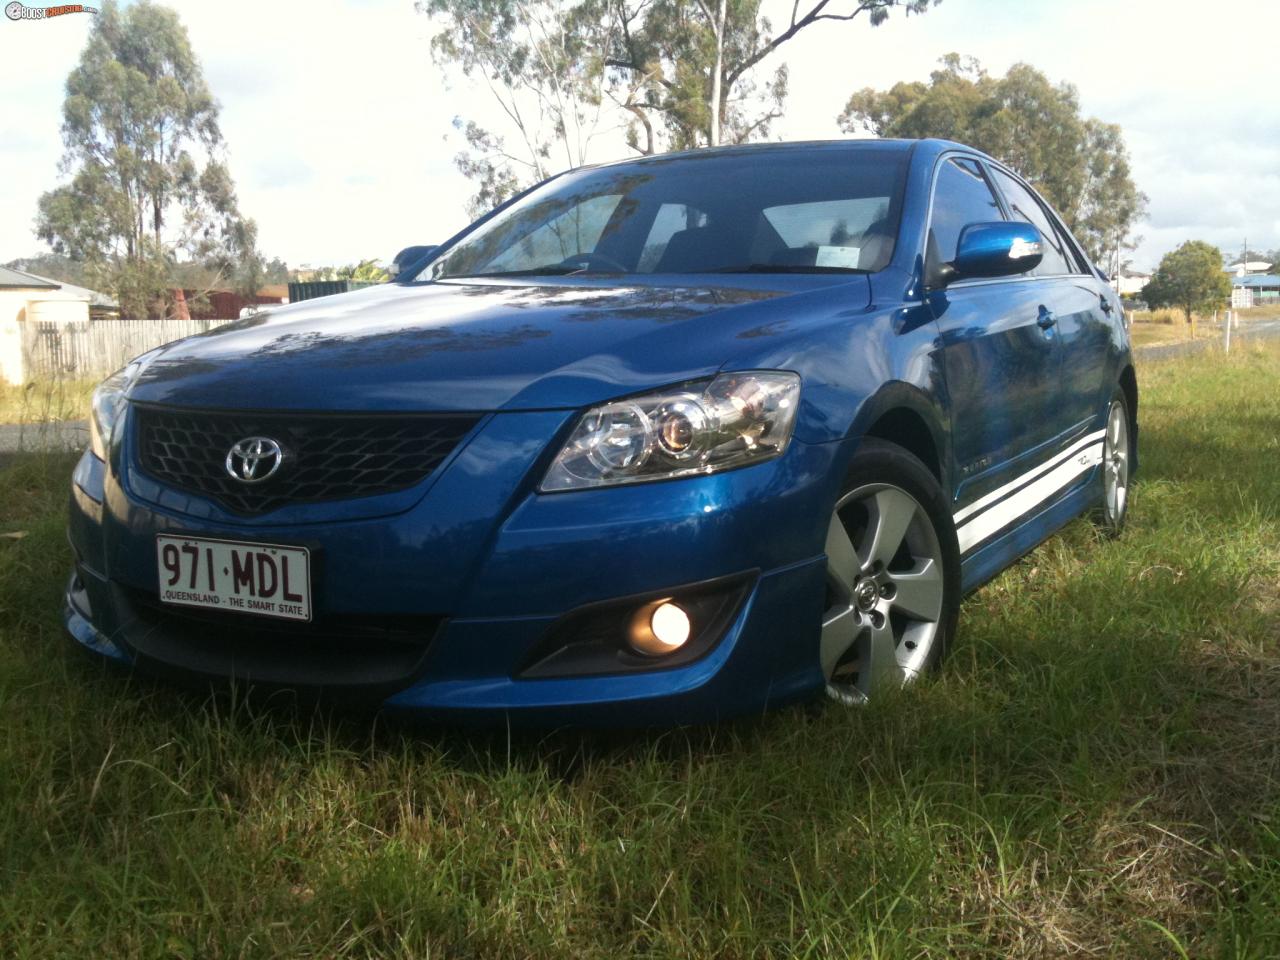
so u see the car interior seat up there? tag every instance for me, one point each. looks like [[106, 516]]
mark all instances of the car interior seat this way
[[700, 250]]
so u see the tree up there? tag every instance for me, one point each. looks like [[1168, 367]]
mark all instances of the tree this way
[[276, 271], [670, 74], [148, 188], [688, 65], [543, 64], [368, 271], [1190, 278], [1231, 259], [1079, 163], [53, 266]]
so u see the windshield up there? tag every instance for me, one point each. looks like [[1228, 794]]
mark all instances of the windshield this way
[[794, 210]]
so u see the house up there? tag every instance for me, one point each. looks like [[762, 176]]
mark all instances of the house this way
[[218, 304], [1255, 290], [101, 307], [1129, 283], [26, 296], [1244, 268]]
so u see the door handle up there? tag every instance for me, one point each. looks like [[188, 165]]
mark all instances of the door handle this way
[[1046, 319]]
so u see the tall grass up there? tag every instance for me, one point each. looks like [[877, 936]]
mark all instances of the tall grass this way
[[45, 401], [1095, 771], [1165, 315]]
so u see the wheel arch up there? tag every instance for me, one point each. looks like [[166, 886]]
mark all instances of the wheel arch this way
[[902, 414], [1129, 387]]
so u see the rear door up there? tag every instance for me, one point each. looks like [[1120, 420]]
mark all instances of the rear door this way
[[1001, 357]]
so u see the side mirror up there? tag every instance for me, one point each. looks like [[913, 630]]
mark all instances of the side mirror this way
[[995, 250], [410, 257]]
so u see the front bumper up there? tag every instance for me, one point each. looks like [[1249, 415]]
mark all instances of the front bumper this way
[[473, 575]]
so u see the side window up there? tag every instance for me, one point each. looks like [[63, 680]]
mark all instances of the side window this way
[[1076, 256], [961, 196], [670, 219], [1026, 208], [574, 232]]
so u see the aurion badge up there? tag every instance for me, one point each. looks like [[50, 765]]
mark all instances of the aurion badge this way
[[254, 459]]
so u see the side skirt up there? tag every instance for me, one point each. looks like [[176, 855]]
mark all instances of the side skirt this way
[[989, 560]]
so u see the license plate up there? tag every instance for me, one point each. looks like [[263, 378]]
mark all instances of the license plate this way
[[265, 579]]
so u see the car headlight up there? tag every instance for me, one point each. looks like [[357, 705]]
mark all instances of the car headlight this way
[[735, 420], [107, 406]]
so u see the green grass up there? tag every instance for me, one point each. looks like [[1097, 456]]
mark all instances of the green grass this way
[[1145, 334], [1096, 770]]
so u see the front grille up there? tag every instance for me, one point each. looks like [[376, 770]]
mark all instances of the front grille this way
[[326, 456], [357, 653]]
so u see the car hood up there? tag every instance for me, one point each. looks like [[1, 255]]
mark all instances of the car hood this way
[[478, 345]]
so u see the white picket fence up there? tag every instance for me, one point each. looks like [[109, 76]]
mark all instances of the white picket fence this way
[[94, 348]]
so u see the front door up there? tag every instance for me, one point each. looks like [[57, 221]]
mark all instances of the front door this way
[[1001, 358]]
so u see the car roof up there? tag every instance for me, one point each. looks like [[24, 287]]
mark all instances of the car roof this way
[[930, 147]]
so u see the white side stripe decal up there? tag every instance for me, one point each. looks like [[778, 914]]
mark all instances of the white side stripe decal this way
[[1074, 463], [982, 502]]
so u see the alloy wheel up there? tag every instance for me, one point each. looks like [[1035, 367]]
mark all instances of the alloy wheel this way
[[885, 589], [1115, 464]]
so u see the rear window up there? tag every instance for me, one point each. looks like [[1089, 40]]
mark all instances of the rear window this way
[[672, 218], [835, 228]]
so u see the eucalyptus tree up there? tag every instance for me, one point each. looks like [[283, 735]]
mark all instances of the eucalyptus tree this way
[[542, 62], [149, 186], [691, 65], [666, 74], [1079, 163]]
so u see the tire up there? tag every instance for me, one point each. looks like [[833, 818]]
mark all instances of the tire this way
[[893, 575], [1117, 456]]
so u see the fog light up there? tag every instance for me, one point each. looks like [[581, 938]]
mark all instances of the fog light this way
[[660, 628]]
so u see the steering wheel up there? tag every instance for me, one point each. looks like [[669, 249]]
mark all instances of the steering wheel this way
[[589, 261]]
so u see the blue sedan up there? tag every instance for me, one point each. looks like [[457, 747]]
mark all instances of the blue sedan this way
[[655, 442]]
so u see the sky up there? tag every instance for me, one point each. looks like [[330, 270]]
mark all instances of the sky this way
[[340, 136]]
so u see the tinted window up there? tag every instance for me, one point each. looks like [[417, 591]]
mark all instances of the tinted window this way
[[961, 196], [671, 219], [842, 232], [783, 210], [1025, 207], [569, 235]]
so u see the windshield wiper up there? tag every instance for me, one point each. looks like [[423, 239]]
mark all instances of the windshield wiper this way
[[785, 268]]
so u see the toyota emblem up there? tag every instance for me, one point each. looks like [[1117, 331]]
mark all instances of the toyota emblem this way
[[254, 459]]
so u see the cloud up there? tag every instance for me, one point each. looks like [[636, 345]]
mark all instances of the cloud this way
[[286, 170]]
